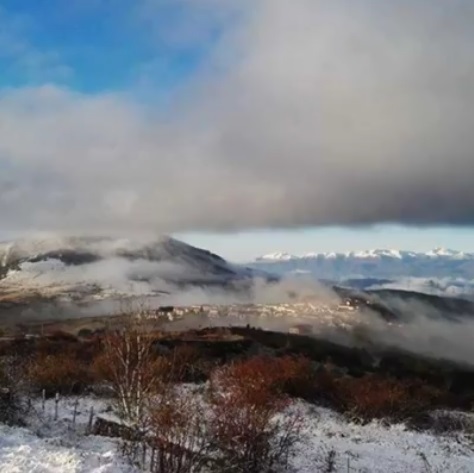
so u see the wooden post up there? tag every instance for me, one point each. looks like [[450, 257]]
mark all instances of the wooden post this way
[[43, 399], [74, 414], [56, 402], [91, 420], [144, 456], [152, 460]]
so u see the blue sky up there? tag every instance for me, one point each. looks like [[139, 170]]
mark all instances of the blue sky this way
[[97, 45], [150, 52]]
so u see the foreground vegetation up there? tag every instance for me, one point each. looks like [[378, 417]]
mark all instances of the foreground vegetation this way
[[235, 421]]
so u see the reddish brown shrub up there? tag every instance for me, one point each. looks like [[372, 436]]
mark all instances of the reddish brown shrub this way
[[290, 375], [373, 396], [183, 364], [370, 397], [196, 367], [177, 433], [298, 378], [251, 377], [63, 373], [245, 428]]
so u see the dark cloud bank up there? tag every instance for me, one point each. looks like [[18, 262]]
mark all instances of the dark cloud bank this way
[[311, 113]]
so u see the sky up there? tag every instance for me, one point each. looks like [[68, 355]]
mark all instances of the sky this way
[[243, 126]]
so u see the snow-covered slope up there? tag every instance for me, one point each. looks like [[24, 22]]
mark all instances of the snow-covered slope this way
[[74, 267], [50, 446], [438, 263]]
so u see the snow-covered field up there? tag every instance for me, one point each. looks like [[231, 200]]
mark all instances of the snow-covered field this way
[[54, 446], [374, 448], [22, 451]]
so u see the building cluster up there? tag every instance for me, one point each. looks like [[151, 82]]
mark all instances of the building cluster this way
[[299, 317]]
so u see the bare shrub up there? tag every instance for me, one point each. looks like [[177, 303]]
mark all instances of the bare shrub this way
[[247, 427], [177, 433], [129, 364]]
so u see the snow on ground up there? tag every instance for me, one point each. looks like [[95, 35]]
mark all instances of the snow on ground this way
[[22, 451], [55, 446], [375, 448]]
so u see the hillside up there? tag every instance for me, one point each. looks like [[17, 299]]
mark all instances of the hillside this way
[[87, 269]]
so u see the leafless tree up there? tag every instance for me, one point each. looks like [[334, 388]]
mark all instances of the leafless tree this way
[[129, 364]]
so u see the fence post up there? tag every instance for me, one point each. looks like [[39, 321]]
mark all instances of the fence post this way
[[91, 419], [43, 399], [74, 414], [144, 456], [56, 402], [152, 460]]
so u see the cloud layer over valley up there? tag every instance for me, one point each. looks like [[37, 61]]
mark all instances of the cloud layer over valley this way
[[308, 113]]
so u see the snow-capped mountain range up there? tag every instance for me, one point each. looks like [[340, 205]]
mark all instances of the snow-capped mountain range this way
[[380, 263], [378, 253]]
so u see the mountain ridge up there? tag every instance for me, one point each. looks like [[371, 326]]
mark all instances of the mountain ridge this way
[[379, 263], [101, 267], [372, 253]]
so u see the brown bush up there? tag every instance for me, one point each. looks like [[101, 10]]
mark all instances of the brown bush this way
[[376, 397], [286, 375], [189, 365], [245, 428], [290, 375], [183, 364], [368, 397], [62, 373], [250, 377], [177, 433], [298, 378]]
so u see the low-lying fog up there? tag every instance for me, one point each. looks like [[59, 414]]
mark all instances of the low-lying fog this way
[[280, 306]]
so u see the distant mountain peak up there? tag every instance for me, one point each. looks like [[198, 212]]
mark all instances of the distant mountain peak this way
[[375, 263], [277, 257], [367, 254]]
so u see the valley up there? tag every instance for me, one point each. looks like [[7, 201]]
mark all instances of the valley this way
[[62, 302]]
